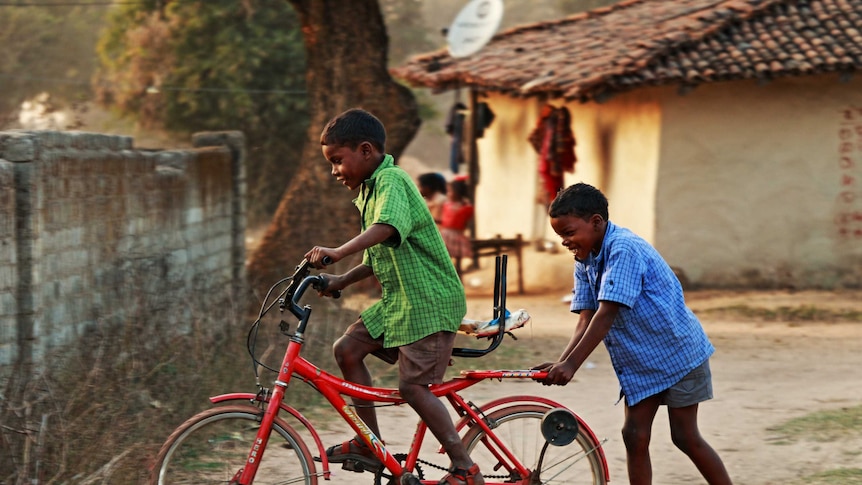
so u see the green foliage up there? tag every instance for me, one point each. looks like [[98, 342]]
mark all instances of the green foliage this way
[[215, 65], [407, 33], [30, 60]]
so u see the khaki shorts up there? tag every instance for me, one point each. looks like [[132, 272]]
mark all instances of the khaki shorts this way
[[422, 362]]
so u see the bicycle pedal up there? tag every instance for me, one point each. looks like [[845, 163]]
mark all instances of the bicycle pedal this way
[[357, 466]]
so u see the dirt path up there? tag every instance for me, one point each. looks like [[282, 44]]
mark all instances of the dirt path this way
[[763, 375]]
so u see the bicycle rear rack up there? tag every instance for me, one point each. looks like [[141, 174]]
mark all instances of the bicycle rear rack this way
[[499, 312]]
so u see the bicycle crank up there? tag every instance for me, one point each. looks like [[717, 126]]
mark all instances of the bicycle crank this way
[[401, 458], [410, 479]]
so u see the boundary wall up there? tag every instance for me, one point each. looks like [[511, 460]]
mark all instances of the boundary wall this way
[[92, 229]]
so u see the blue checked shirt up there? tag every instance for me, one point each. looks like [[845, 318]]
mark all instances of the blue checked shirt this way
[[655, 339]]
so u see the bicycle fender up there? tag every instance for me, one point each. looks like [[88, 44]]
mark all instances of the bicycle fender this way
[[247, 396], [513, 400]]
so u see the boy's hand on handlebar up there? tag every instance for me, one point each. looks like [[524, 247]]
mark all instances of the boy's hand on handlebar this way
[[317, 254], [334, 285], [559, 373]]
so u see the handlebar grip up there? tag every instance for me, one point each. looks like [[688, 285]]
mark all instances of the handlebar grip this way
[[326, 260], [323, 284]]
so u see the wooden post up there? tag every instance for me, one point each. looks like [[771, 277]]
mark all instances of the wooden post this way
[[473, 161]]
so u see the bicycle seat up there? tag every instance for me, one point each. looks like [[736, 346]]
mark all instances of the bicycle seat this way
[[499, 320]]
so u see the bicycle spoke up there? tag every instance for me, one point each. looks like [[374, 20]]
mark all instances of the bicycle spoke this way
[[518, 427]]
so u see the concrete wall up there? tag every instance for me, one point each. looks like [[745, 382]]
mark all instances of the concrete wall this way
[[91, 227]]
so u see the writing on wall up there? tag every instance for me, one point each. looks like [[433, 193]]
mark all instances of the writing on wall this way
[[848, 213]]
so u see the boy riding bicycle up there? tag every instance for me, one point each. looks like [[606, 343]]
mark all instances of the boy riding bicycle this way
[[422, 301]]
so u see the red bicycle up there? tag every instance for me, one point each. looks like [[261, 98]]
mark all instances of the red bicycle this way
[[248, 439]]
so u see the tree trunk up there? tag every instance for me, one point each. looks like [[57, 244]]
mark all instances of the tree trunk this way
[[347, 45]]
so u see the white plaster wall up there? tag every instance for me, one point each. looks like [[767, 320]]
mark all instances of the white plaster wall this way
[[736, 184], [506, 193], [751, 181], [623, 166], [620, 154]]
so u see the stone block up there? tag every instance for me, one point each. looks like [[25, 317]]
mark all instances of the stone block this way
[[17, 148]]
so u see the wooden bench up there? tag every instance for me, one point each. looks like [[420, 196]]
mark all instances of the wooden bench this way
[[495, 247]]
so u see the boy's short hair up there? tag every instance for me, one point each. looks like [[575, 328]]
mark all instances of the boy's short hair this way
[[434, 181], [579, 200], [353, 127], [460, 187]]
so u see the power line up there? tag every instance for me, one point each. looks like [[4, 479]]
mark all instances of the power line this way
[[72, 4], [157, 89]]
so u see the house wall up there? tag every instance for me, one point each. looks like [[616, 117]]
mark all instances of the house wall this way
[[761, 185], [618, 152], [757, 185], [617, 146], [506, 192]]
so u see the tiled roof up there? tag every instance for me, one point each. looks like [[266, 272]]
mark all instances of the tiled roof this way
[[638, 43]]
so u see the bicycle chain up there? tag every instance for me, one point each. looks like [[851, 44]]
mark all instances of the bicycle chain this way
[[402, 457], [434, 465]]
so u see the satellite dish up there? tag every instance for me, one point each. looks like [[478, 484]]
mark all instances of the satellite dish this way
[[474, 26]]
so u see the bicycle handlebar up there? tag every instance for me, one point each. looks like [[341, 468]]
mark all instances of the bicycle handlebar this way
[[301, 281]]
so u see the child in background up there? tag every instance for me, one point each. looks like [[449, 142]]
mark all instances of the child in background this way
[[432, 186], [457, 214]]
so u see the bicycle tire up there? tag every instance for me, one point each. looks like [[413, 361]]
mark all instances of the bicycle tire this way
[[213, 445], [519, 428]]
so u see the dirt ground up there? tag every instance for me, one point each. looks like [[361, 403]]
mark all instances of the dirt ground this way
[[763, 374]]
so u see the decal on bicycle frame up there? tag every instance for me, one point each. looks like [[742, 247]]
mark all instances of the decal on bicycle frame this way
[[518, 373], [364, 431]]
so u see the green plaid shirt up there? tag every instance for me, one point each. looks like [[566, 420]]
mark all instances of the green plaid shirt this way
[[422, 293]]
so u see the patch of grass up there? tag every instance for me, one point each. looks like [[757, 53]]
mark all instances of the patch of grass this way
[[821, 426], [842, 476], [802, 313]]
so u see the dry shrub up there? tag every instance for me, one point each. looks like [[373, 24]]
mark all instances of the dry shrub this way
[[99, 410]]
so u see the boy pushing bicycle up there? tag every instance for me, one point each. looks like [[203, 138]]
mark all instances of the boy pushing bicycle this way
[[628, 297], [422, 302]]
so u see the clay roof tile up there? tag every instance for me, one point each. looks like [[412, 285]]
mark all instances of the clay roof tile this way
[[637, 43]]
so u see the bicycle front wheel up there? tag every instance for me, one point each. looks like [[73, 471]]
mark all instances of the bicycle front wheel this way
[[519, 429], [213, 446]]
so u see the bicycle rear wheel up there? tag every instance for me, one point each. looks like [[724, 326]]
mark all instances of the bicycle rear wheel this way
[[212, 446], [519, 428]]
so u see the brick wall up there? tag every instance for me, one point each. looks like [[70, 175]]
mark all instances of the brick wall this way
[[92, 229]]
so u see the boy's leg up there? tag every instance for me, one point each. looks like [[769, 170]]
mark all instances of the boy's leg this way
[[350, 351], [637, 431], [686, 436], [682, 402], [420, 364], [433, 412]]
